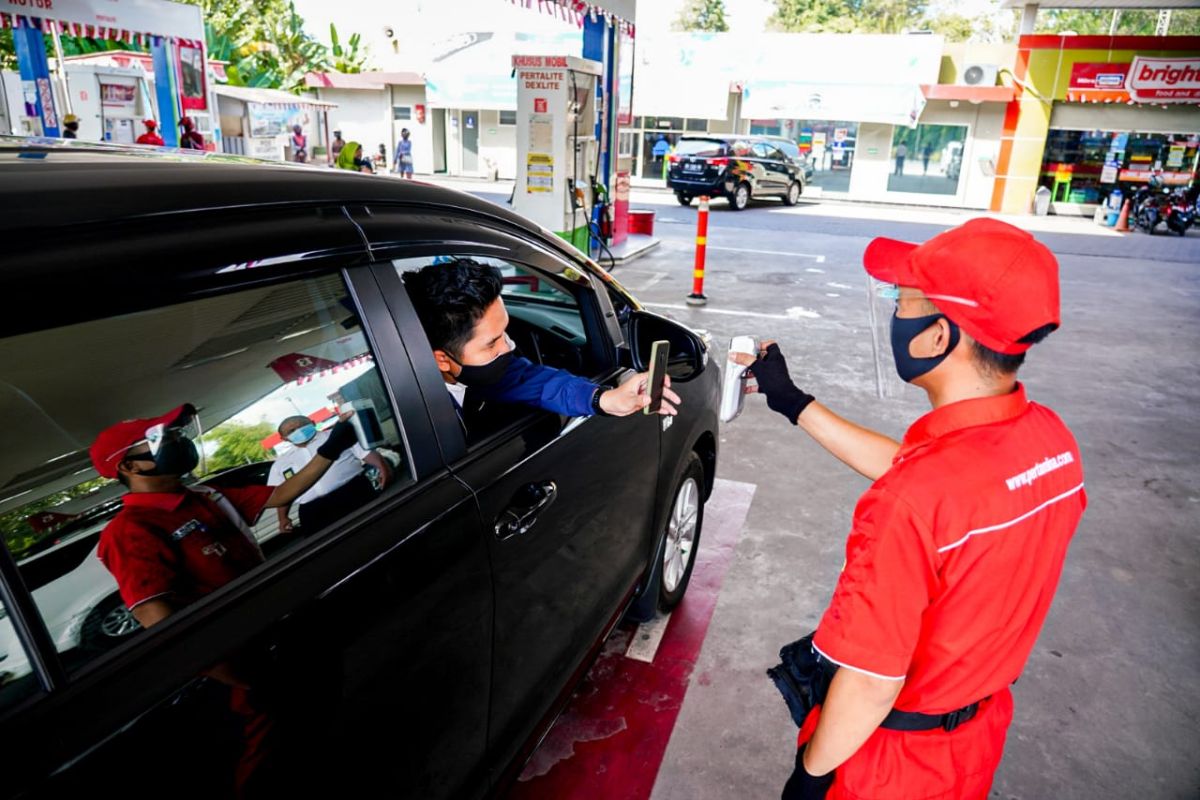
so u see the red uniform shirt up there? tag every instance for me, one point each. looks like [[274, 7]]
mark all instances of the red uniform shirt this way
[[951, 564], [180, 544], [150, 137]]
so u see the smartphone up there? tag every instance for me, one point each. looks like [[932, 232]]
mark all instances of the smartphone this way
[[659, 352]]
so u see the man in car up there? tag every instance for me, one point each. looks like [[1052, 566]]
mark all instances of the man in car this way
[[956, 549], [172, 544], [343, 488], [459, 305]]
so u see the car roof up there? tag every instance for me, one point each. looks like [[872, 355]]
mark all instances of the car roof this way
[[50, 183]]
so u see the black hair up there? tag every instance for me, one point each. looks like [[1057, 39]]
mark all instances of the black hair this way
[[994, 363], [450, 299]]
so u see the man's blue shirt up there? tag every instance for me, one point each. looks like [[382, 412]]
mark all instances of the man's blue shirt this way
[[544, 387]]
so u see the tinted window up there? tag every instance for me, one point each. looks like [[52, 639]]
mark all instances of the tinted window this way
[[16, 680], [707, 148], [768, 151], [790, 149], [508, 117], [247, 361]]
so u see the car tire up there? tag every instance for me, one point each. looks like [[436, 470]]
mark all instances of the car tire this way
[[792, 195], [681, 539], [109, 624], [684, 199], [740, 197]]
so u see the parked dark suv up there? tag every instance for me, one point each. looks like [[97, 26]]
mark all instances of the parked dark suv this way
[[737, 168], [418, 645]]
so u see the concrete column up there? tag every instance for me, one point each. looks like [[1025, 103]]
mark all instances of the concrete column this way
[[1028, 18]]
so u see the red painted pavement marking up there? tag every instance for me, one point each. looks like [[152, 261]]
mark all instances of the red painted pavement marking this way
[[610, 740]]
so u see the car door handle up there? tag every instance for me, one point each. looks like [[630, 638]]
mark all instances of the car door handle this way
[[525, 508]]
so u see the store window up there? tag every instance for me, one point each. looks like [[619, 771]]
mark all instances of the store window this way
[[656, 146], [698, 125], [1086, 166], [508, 117], [927, 159], [402, 113]]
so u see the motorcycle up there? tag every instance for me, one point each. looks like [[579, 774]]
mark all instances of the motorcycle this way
[[1178, 213], [1146, 208]]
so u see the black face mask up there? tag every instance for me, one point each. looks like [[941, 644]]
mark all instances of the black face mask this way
[[175, 457], [484, 374], [904, 330]]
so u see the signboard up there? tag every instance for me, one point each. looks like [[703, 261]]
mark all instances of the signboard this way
[[136, 16], [118, 95], [192, 92], [1109, 174], [272, 120], [1164, 80], [1102, 76]]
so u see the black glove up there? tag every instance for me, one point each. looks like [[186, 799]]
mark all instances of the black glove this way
[[771, 373], [341, 437], [802, 786]]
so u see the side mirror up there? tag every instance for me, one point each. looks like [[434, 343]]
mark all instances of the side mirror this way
[[688, 353]]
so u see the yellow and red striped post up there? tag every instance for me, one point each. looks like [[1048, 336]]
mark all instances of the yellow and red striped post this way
[[697, 298]]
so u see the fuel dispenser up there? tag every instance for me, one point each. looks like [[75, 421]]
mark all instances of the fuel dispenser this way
[[557, 152], [111, 102]]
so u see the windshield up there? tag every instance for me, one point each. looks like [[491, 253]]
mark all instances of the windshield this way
[[708, 148]]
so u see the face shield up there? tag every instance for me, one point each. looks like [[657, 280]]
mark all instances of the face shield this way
[[896, 317], [882, 299], [173, 446]]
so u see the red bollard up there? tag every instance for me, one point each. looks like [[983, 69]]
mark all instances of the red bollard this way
[[697, 298]]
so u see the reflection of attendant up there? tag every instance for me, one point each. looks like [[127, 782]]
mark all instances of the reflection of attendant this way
[[925, 154], [170, 545], [343, 488], [901, 153]]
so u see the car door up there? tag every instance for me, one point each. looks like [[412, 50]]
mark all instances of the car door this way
[[360, 652], [566, 504], [774, 170]]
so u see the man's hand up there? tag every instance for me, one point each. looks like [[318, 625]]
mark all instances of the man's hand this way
[[770, 373], [342, 437], [632, 396]]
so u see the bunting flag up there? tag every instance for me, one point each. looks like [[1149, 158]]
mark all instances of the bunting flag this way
[[84, 31], [576, 11]]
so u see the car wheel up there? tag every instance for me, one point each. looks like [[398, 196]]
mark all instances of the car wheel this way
[[741, 197], [684, 199], [109, 624], [793, 194], [677, 556]]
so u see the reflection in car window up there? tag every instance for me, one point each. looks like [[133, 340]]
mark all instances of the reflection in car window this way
[[742, 148], [247, 362], [16, 675]]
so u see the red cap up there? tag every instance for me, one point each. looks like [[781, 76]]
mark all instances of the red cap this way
[[149, 123], [992, 279], [110, 446]]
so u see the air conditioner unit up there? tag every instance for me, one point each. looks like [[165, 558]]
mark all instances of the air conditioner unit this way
[[980, 74]]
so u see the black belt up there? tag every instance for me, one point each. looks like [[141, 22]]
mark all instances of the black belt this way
[[916, 721]]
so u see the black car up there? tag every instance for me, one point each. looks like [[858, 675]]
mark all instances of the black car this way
[[737, 168], [419, 646]]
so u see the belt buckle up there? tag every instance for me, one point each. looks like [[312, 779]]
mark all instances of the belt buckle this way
[[957, 717]]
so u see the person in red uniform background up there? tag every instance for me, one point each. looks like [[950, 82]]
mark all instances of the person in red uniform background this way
[[151, 135], [172, 544], [956, 549], [191, 139]]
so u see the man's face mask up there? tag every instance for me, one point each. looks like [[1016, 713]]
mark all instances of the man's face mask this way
[[904, 330], [486, 374], [171, 448], [303, 434]]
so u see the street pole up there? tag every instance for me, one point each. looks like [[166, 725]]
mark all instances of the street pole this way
[[697, 298], [62, 68]]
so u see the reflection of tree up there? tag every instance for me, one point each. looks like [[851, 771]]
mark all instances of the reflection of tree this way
[[19, 535], [237, 445]]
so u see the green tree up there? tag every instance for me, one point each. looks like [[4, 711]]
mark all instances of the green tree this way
[[352, 57], [702, 15], [846, 16], [237, 444], [15, 529], [1130, 22]]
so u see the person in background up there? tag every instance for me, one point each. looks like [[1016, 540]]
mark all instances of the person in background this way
[[191, 138], [342, 489], [351, 158], [404, 159], [151, 135], [70, 127], [336, 147], [925, 154], [299, 145], [379, 160], [901, 154]]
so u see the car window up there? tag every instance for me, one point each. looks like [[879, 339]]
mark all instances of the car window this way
[[790, 149], [16, 680], [704, 148], [768, 150], [742, 148], [546, 323], [87, 546]]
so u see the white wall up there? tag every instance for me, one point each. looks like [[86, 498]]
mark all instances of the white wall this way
[[362, 115], [421, 134], [497, 146]]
